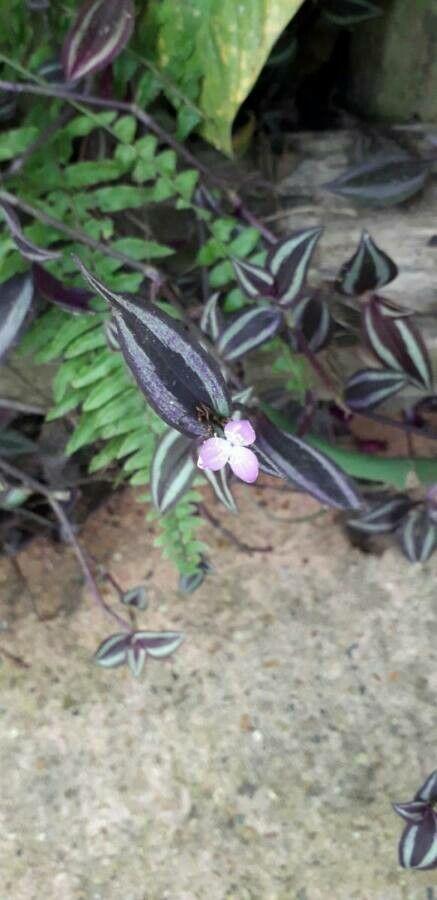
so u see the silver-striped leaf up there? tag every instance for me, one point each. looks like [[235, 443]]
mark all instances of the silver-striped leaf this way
[[306, 467], [136, 657], [112, 651], [397, 343], [411, 812], [368, 269], [368, 388], [22, 243], [249, 330], [180, 379], [253, 280], [211, 321], [219, 482], [16, 296], [135, 597], [417, 535], [428, 791], [100, 32], [189, 583], [382, 181], [172, 470], [418, 844], [288, 262], [158, 644], [314, 321], [382, 515]]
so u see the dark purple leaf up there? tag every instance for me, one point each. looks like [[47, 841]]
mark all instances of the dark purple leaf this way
[[417, 537], [418, 844], [397, 343], [72, 299], [135, 597], [428, 790], [158, 644], [172, 471], [306, 467], [368, 269], [382, 515], [248, 330], [26, 248], [99, 33], [181, 381], [368, 388], [347, 13], [382, 181], [313, 320], [16, 297], [112, 652], [254, 281], [414, 811], [431, 504], [288, 262]]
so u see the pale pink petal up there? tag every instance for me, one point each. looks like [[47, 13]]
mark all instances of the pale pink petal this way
[[213, 454], [241, 433], [244, 464]]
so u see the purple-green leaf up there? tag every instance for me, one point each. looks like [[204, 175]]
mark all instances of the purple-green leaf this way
[[158, 644], [22, 243], [180, 379], [414, 811], [418, 844], [99, 33], [72, 299], [382, 181], [382, 515], [253, 280], [368, 388], [428, 790], [313, 320], [288, 262], [112, 652], [219, 482], [211, 321], [172, 471], [397, 343], [367, 270], [248, 330], [135, 597], [306, 467], [16, 297]]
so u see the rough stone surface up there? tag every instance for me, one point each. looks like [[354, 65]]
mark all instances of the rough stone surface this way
[[258, 763]]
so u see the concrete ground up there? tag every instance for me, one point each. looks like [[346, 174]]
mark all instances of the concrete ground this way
[[259, 762]]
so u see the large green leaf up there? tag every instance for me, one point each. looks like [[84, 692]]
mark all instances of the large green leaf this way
[[220, 44]]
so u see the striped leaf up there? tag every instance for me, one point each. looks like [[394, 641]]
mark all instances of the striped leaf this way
[[16, 296], [248, 330], [158, 644], [180, 379], [417, 536], [189, 583], [220, 484], [307, 468], [253, 280], [99, 33], [382, 181], [418, 844], [172, 471], [382, 515], [368, 269], [135, 597], [368, 388], [72, 299], [347, 13], [397, 343], [22, 243], [211, 321], [288, 262], [313, 320], [413, 811], [112, 652], [136, 657], [428, 791]]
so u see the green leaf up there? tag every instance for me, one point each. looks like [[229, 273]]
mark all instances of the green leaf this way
[[225, 44], [125, 128], [15, 141], [117, 198], [139, 249], [185, 183], [82, 174]]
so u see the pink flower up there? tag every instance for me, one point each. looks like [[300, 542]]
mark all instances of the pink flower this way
[[233, 449]]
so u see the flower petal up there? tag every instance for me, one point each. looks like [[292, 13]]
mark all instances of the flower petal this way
[[241, 433], [213, 454], [244, 464]]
